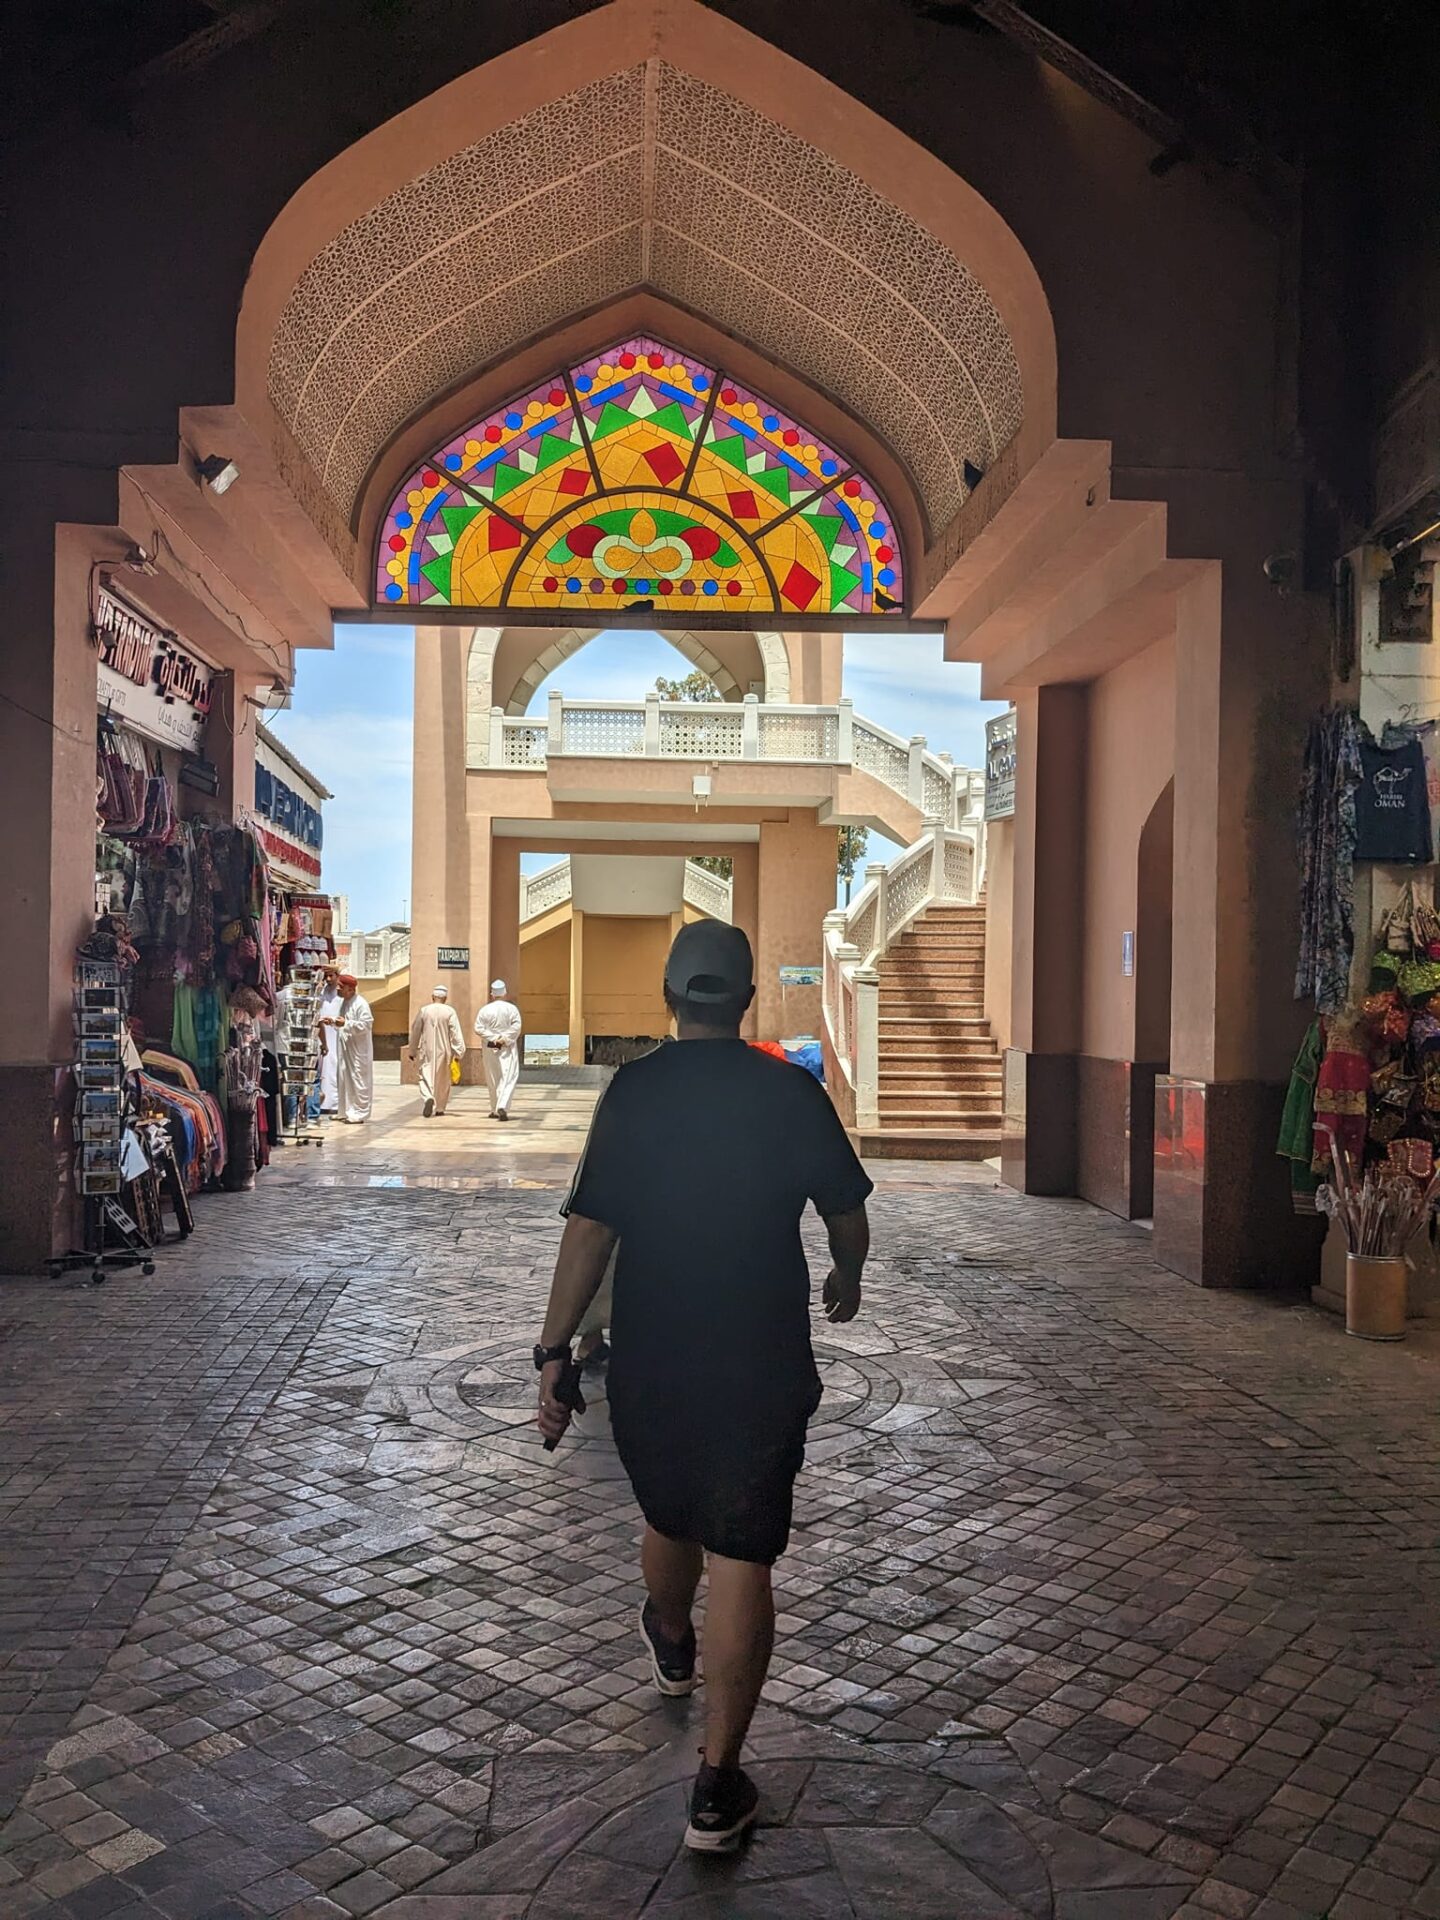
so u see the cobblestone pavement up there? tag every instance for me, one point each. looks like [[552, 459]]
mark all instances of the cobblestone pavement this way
[[1108, 1600]]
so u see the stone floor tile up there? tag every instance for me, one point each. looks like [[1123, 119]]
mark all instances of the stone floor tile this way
[[1098, 1582]]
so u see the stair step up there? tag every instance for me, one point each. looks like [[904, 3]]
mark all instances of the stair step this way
[[889, 1142], [899, 1053], [912, 1100], [920, 1026], [941, 1080]]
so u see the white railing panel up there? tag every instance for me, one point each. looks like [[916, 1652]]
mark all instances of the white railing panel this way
[[523, 743], [701, 733], [610, 729], [908, 887], [881, 754], [709, 892], [937, 792], [800, 734], [959, 869], [539, 892]]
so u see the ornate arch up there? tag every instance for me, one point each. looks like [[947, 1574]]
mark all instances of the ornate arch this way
[[640, 476]]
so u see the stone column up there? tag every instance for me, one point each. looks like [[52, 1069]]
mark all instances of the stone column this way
[[1038, 1134], [797, 890], [503, 962], [444, 883], [745, 909], [577, 986], [47, 879]]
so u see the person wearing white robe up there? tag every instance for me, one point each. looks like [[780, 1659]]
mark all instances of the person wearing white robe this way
[[352, 1033], [498, 1024], [327, 1089], [436, 1039]]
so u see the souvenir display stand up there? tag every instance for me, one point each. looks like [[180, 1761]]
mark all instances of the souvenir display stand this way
[[300, 1056], [112, 1238]]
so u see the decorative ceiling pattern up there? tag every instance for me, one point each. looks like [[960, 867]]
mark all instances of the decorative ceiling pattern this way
[[646, 177], [641, 472]]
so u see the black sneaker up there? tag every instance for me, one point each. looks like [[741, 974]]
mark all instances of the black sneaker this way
[[723, 1805], [672, 1662], [428, 1108]]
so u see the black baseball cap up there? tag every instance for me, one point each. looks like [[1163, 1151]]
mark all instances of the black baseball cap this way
[[710, 963]]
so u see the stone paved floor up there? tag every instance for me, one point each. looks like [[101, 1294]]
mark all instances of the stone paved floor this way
[[1109, 1599]]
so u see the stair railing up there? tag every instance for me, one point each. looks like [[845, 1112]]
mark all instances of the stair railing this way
[[941, 868]]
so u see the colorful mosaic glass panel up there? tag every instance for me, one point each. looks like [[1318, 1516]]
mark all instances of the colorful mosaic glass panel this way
[[640, 474]]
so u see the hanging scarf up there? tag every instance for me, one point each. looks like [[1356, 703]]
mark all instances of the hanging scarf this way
[[1326, 833]]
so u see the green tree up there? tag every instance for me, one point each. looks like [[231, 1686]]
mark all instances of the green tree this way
[[696, 686], [850, 851]]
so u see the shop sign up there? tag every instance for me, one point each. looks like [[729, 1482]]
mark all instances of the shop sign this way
[[147, 679], [457, 959], [1000, 766]]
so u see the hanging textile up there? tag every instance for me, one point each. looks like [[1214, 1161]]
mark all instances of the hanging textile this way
[[1326, 833], [1393, 806]]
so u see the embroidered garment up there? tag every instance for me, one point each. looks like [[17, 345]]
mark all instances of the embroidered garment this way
[[1326, 827]]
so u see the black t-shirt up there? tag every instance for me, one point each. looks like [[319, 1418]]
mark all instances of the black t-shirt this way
[[1392, 806], [702, 1157]]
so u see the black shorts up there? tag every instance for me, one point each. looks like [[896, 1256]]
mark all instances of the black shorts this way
[[727, 1481]]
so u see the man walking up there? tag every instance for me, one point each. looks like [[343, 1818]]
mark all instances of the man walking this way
[[701, 1161], [498, 1024], [435, 1040], [352, 1034]]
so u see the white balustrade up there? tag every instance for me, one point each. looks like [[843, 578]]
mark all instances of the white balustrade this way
[[942, 868], [710, 892], [541, 892], [655, 729], [523, 743]]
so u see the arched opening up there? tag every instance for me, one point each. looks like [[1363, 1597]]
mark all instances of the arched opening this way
[[687, 189]]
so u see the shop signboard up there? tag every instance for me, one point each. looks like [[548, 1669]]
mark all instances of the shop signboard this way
[[456, 959], [147, 679], [1000, 766]]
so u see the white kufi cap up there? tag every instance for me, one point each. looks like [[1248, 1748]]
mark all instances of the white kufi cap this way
[[497, 986]]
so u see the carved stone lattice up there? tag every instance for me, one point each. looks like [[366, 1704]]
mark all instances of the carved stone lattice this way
[[524, 744], [959, 870], [908, 885], [876, 755], [718, 207], [700, 733], [799, 736], [605, 730], [860, 931], [938, 792]]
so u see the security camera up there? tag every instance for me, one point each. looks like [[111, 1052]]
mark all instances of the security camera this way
[[1281, 570]]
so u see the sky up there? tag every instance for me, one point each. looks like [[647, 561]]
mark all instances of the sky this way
[[350, 722]]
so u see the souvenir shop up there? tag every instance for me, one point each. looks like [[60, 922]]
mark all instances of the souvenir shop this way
[[1361, 1130], [179, 1070]]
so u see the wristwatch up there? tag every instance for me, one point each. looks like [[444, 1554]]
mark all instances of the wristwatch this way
[[544, 1355]]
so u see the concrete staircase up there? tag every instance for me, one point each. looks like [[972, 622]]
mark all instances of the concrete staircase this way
[[939, 1085]]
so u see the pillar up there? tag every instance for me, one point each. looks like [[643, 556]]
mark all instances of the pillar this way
[[796, 891], [503, 962], [47, 879], [1250, 670], [745, 911], [230, 741], [577, 986], [450, 865], [1038, 1132]]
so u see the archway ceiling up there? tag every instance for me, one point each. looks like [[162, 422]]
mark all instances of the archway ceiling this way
[[646, 177]]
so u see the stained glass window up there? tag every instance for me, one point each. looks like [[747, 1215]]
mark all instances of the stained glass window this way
[[640, 474]]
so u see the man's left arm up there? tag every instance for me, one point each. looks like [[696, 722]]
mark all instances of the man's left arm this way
[[579, 1268]]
